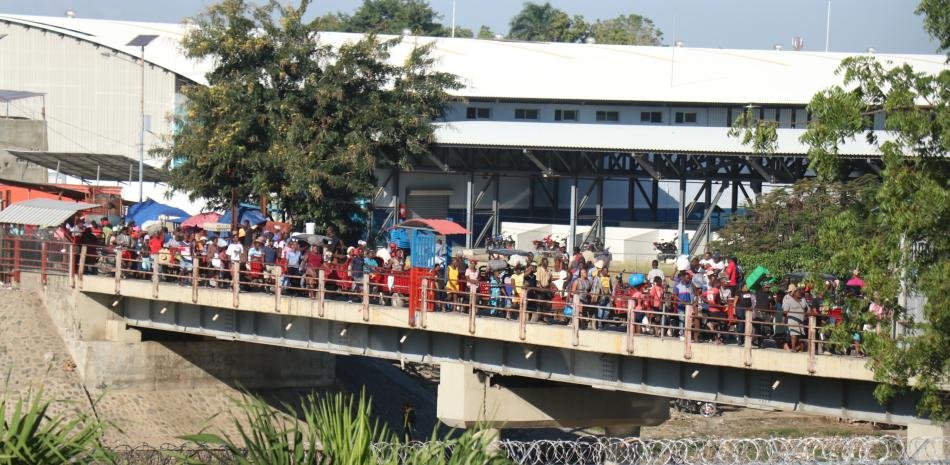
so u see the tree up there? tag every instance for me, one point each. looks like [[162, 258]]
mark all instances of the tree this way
[[287, 117], [393, 16], [909, 250], [631, 29], [485, 32], [463, 32], [545, 23]]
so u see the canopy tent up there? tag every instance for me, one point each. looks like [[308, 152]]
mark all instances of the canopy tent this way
[[442, 227], [200, 219], [249, 213], [42, 212], [152, 210], [10, 95], [91, 166]]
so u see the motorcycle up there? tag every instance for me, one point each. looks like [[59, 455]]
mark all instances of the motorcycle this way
[[667, 250], [500, 241], [549, 244], [706, 409]]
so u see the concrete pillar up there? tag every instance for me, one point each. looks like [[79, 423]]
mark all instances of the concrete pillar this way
[[467, 398], [928, 442]]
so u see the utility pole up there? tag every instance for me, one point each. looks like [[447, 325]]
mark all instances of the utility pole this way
[[828, 27], [141, 41], [453, 18]]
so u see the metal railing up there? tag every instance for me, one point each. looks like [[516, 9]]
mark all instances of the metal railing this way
[[422, 292]]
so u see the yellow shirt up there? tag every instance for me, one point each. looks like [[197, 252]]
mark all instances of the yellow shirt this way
[[453, 281], [517, 282]]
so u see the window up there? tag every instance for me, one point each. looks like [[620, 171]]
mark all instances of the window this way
[[685, 117], [524, 113], [565, 115], [477, 113], [608, 116], [651, 117]]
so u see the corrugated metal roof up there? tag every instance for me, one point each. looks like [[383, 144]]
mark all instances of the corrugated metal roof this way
[[42, 212], [623, 138], [551, 71]]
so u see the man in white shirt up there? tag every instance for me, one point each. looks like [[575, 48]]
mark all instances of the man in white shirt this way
[[235, 250], [655, 272]]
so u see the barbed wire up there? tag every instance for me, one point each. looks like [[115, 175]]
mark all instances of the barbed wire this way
[[598, 450]]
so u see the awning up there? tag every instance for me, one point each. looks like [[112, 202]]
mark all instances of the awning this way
[[10, 95], [42, 212], [90, 166], [200, 219], [443, 227]]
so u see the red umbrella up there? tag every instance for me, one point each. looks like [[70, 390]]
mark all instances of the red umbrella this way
[[200, 219]]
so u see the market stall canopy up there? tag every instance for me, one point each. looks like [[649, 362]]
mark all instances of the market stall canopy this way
[[443, 227], [90, 166], [200, 219], [42, 212], [152, 210], [245, 212]]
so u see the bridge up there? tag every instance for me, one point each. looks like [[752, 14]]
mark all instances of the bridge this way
[[515, 372]]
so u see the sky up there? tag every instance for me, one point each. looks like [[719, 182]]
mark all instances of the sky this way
[[886, 25]]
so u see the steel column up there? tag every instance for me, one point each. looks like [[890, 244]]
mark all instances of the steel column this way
[[469, 209], [571, 238], [681, 223]]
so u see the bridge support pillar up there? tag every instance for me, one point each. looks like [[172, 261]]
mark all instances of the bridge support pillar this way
[[467, 398], [928, 442]]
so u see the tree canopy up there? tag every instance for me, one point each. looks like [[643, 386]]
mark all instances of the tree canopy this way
[[898, 239], [631, 29], [304, 124]]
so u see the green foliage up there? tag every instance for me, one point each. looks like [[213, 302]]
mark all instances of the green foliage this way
[[757, 133], [30, 435], [936, 20], [307, 124], [392, 16], [897, 238], [338, 430], [631, 29], [545, 23], [485, 32]]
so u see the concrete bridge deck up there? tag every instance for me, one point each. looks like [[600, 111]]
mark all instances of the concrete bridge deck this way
[[616, 361]]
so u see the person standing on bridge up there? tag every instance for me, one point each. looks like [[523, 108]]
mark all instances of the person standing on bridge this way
[[795, 309]]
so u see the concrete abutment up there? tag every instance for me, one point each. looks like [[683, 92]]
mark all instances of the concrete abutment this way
[[111, 356]]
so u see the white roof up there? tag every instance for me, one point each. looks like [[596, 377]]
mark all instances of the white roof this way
[[552, 71], [623, 138], [42, 212]]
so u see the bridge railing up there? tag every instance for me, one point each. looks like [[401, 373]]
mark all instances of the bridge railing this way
[[421, 293]]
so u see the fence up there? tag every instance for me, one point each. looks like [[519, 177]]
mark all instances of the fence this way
[[665, 316], [596, 451]]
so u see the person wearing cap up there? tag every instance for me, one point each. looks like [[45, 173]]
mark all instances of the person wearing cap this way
[[795, 309]]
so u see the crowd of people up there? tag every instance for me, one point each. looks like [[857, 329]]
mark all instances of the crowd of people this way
[[707, 300]]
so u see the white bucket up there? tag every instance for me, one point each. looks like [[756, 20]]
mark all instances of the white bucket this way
[[310, 228]]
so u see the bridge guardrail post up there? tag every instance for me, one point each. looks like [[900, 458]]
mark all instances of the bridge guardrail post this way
[[118, 271], [365, 291], [195, 278], [236, 282], [748, 337], [44, 255], [155, 277], [321, 291], [16, 259], [688, 332], [811, 344], [71, 250], [523, 315], [82, 264], [277, 292], [424, 298], [576, 320], [630, 322], [472, 309]]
